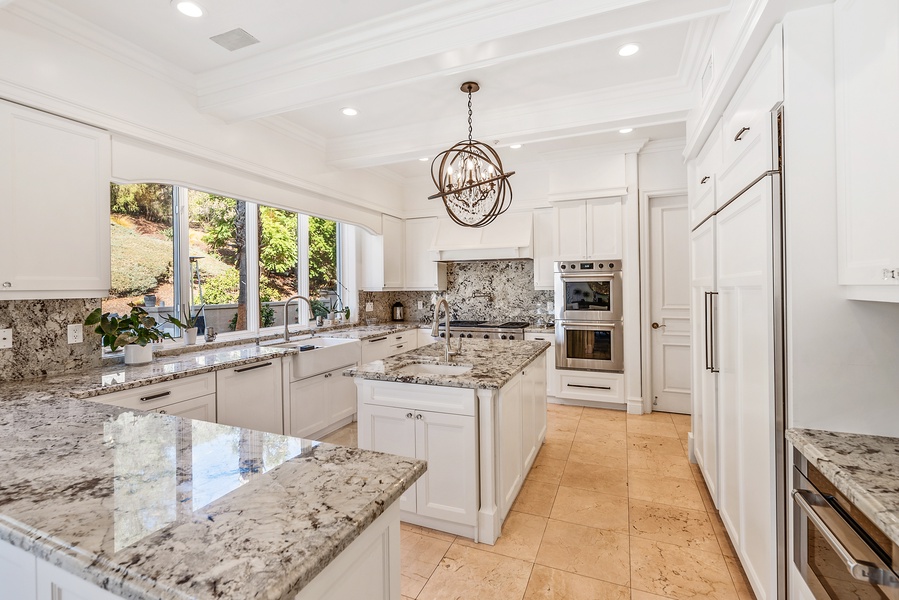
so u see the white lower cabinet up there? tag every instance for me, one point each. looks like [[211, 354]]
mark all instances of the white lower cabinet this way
[[389, 344], [250, 396], [549, 356], [18, 573], [190, 397], [590, 386], [200, 409], [316, 405]]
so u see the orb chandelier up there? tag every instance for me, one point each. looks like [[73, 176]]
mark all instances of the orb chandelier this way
[[470, 178]]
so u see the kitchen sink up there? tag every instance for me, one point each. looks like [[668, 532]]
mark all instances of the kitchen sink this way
[[434, 369], [325, 354]]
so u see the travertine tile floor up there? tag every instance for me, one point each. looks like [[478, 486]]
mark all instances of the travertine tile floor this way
[[612, 510]]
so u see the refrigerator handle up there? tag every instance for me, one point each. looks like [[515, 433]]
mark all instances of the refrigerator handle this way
[[706, 328], [712, 330]]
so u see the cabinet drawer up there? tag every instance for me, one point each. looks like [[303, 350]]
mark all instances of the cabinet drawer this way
[[376, 348], [157, 395], [456, 401], [403, 337], [583, 385]]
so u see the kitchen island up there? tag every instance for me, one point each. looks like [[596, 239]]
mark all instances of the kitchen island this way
[[478, 422], [152, 506]]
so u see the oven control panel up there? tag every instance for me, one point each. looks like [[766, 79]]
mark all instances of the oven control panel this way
[[588, 266]]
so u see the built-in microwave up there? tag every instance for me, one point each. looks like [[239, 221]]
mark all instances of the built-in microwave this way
[[588, 290], [590, 345]]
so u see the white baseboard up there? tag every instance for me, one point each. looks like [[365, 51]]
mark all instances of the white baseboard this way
[[635, 406]]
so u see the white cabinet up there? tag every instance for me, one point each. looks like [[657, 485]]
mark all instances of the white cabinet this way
[[381, 258], [866, 38], [18, 573], [588, 229], [549, 357], [702, 177], [54, 583], [190, 397], [395, 418], [199, 409], [317, 405], [250, 396], [423, 272], [379, 348], [543, 249], [425, 337], [533, 410], [590, 387], [54, 198], [394, 243]]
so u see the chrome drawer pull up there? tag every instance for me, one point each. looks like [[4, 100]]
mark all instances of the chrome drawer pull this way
[[863, 571], [592, 387], [378, 339], [245, 369], [740, 133], [155, 397]]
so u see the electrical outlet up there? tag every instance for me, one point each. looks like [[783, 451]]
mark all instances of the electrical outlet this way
[[369, 306], [5, 338], [76, 333], [421, 305]]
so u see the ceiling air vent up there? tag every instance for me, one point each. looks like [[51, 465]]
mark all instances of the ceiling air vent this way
[[234, 39]]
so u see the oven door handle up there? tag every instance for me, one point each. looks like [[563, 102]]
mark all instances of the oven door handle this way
[[590, 326], [863, 571]]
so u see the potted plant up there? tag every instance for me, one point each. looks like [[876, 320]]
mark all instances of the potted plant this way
[[135, 332], [188, 325]]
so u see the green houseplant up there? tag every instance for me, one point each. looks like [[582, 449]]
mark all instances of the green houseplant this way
[[188, 325], [135, 332]]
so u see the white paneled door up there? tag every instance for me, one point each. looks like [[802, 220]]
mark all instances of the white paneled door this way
[[669, 272]]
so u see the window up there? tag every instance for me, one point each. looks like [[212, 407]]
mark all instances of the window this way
[[174, 247]]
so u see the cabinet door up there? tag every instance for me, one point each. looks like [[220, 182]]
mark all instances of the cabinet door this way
[[421, 265], [543, 249], [200, 409], [309, 406], [702, 173], [54, 583], [549, 357], [391, 430], [528, 418], [17, 572], [866, 38], [54, 198], [569, 230], [449, 488], [250, 397], [538, 375], [511, 467], [603, 218], [393, 252], [376, 349], [341, 394], [369, 260]]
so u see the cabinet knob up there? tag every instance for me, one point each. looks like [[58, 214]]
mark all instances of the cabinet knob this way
[[419, 416], [7, 284], [408, 415], [890, 274], [162, 412]]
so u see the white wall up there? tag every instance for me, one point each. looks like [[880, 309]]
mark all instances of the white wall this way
[[662, 167], [843, 354], [58, 71]]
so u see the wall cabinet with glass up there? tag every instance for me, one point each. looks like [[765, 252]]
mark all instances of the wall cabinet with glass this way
[[54, 198]]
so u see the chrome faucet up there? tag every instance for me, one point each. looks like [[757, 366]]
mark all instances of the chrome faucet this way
[[448, 350], [286, 304]]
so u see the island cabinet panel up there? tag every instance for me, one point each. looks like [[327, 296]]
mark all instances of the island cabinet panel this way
[[190, 397], [448, 489], [511, 470], [17, 572], [250, 396], [315, 406], [199, 409], [391, 430]]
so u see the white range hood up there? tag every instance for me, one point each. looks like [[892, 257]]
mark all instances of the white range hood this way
[[509, 237]]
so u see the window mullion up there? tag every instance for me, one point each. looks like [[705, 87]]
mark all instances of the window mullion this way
[[303, 266], [252, 257], [181, 228]]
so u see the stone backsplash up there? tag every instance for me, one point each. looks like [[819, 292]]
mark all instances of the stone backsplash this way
[[483, 290], [39, 337]]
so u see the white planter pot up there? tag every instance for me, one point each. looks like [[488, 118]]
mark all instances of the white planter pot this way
[[138, 355], [190, 336]]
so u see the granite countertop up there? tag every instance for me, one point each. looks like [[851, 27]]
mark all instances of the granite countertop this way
[[371, 331], [543, 329], [865, 468], [88, 383], [152, 506], [494, 363]]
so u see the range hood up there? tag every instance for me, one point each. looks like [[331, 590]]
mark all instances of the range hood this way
[[509, 237]]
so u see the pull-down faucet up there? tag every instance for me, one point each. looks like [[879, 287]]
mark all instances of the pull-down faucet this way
[[286, 304], [448, 351]]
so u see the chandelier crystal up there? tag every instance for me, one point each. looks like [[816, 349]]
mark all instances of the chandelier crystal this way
[[470, 178]]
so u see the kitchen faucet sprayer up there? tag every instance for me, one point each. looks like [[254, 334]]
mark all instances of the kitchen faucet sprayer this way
[[287, 304], [448, 351]]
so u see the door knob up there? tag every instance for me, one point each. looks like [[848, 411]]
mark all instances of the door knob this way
[[657, 326]]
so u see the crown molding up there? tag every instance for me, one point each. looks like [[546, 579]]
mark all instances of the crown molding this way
[[696, 51], [669, 145], [84, 33], [294, 131], [625, 147], [589, 194]]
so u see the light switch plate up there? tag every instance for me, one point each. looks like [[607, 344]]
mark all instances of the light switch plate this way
[[369, 306], [421, 305], [5, 338], [76, 333]]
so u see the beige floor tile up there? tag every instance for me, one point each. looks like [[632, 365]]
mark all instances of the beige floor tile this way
[[593, 509], [660, 417], [561, 425], [605, 414], [419, 556], [724, 543], [603, 420], [466, 573], [547, 470], [641, 595], [673, 491], [596, 478], [555, 449], [585, 551], [682, 422], [680, 573], [552, 584], [678, 526], [564, 436], [706, 497], [744, 590], [588, 432], [535, 498], [663, 464], [659, 428], [520, 537], [607, 452], [697, 472], [345, 436], [566, 410], [440, 535], [657, 445]]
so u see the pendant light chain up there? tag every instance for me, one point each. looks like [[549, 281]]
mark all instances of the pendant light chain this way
[[469, 117]]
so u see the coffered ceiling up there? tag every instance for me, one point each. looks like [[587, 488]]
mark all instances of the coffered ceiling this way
[[549, 70]]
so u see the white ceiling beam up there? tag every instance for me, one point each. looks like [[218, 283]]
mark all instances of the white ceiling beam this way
[[427, 46]]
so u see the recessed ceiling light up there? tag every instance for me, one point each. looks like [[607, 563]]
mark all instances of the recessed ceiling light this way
[[515, 146], [350, 112], [626, 130], [628, 50], [186, 7], [423, 158]]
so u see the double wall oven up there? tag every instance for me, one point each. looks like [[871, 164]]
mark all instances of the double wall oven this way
[[589, 332]]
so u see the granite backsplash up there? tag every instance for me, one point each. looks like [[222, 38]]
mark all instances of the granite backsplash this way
[[483, 290], [40, 344]]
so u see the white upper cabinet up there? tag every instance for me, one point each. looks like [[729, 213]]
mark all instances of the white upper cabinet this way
[[866, 38], [381, 258], [543, 249], [54, 198], [702, 175], [423, 272], [588, 229]]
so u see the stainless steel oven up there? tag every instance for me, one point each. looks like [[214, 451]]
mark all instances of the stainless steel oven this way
[[588, 290], [590, 345], [837, 550]]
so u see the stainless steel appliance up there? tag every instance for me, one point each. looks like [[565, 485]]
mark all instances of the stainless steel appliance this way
[[590, 345], [588, 290], [487, 330], [837, 550], [397, 311]]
